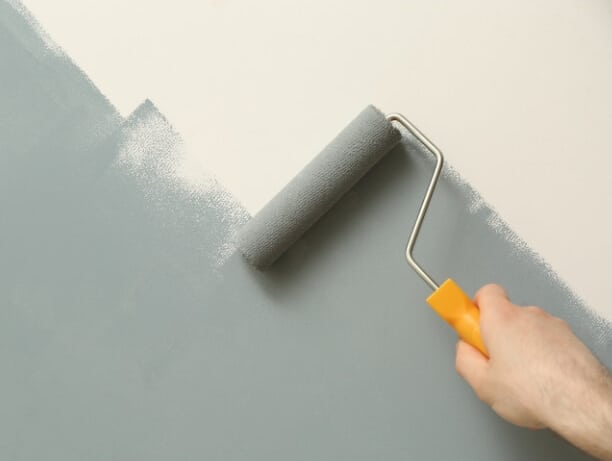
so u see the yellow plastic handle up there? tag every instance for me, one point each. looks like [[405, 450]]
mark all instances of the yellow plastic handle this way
[[454, 306]]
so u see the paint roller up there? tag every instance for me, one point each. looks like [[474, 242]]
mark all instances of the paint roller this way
[[314, 191]]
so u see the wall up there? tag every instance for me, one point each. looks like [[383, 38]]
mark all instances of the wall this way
[[129, 329], [516, 93]]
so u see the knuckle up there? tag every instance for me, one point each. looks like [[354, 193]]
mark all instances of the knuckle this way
[[489, 288], [535, 310], [502, 314], [483, 390], [561, 322], [481, 394]]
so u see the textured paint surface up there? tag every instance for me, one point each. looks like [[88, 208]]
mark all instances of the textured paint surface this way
[[127, 332], [314, 191]]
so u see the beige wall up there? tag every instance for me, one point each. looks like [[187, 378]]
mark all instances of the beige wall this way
[[517, 94]]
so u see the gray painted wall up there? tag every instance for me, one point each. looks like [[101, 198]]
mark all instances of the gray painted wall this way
[[122, 336]]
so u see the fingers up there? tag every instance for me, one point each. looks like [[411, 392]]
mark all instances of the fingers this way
[[472, 366], [493, 302], [491, 293]]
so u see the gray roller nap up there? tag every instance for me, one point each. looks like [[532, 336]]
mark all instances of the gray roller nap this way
[[317, 188]]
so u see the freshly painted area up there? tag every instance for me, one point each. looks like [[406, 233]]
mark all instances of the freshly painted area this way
[[516, 93], [130, 330]]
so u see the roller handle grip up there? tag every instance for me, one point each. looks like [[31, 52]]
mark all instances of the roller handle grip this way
[[454, 306]]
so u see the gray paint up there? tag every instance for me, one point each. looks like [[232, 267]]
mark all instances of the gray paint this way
[[315, 189], [121, 337]]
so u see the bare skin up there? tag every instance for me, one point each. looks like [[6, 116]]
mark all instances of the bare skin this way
[[539, 374]]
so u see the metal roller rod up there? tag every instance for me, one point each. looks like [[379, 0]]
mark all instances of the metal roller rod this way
[[426, 199]]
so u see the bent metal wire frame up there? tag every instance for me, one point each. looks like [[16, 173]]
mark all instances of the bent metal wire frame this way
[[395, 117]]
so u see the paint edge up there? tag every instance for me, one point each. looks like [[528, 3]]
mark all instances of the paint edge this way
[[501, 227], [52, 47]]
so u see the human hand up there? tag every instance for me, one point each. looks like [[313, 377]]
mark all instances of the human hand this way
[[539, 374]]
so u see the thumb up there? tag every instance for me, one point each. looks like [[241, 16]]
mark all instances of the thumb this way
[[472, 366], [492, 297]]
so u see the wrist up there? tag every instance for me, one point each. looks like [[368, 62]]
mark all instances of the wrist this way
[[581, 412]]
